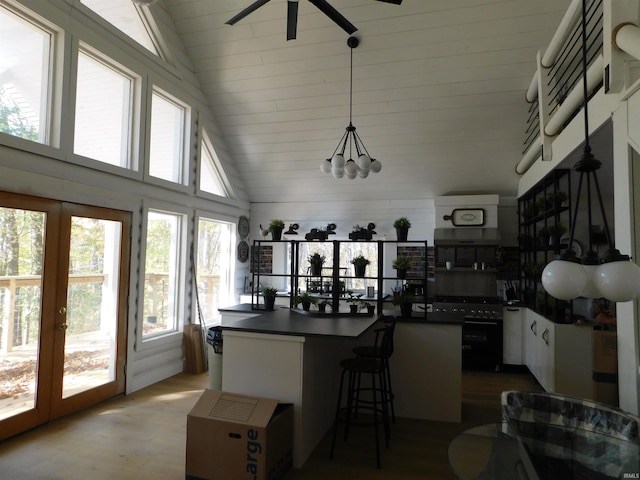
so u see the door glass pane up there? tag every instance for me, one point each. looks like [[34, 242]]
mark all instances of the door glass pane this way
[[92, 305], [21, 259]]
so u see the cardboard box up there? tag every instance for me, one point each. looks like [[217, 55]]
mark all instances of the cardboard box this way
[[238, 437]]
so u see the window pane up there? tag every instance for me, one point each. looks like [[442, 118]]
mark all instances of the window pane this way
[[209, 177], [213, 269], [123, 15], [167, 139], [103, 112], [24, 82], [161, 273]]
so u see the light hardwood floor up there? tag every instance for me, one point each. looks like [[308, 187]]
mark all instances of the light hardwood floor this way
[[142, 436]]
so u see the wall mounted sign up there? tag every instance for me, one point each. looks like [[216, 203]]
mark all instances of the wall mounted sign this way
[[243, 226], [466, 217]]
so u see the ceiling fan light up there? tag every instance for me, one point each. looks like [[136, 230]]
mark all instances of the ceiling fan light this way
[[563, 279], [376, 166], [618, 281]]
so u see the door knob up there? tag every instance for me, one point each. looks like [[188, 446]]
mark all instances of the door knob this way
[[62, 326], [62, 310]]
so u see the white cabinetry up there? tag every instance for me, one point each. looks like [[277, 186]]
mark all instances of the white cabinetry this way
[[512, 336], [559, 355]]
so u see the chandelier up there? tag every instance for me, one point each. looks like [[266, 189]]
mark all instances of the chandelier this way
[[337, 165], [613, 277]]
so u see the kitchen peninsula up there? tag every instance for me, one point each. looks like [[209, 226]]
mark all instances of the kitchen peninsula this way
[[294, 356]]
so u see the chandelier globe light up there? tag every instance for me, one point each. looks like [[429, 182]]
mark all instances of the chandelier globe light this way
[[364, 164], [614, 277]]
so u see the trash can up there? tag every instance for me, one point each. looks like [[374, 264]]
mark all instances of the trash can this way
[[214, 339]]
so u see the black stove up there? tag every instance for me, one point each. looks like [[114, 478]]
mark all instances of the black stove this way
[[469, 308]]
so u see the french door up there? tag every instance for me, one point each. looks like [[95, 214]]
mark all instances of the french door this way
[[63, 291]]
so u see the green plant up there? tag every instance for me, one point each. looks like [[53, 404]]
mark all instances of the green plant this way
[[360, 260], [305, 297], [402, 222], [353, 298], [402, 263], [403, 297], [276, 223], [317, 259], [269, 291], [555, 199]]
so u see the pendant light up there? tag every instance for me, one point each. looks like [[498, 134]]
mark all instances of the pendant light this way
[[614, 277], [337, 165]]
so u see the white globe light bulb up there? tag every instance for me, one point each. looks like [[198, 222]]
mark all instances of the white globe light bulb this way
[[350, 168], [618, 281], [364, 162], [337, 161], [564, 280], [325, 166], [376, 166], [590, 290], [362, 173], [337, 172]]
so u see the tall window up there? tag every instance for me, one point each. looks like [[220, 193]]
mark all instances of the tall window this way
[[168, 136], [104, 104], [24, 77], [162, 273], [210, 178], [213, 268]]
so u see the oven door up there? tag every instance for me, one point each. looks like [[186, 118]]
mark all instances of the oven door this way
[[481, 343]]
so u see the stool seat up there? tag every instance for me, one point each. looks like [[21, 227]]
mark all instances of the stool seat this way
[[362, 365]]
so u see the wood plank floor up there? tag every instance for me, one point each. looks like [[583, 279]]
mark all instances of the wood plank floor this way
[[142, 436]]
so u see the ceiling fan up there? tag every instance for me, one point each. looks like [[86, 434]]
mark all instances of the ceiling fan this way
[[292, 15]]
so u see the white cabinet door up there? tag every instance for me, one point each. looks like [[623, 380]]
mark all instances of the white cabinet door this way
[[531, 342], [546, 354], [512, 336]]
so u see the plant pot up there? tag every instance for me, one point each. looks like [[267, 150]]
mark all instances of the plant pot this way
[[316, 269], [405, 310], [276, 233], [269, 303], [402, 273], [353, 308], [322, 307], [371, 309], [402, 233], [360, 270], [306, 306]]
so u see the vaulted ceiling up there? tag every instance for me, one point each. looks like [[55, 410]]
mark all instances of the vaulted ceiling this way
[[438, 92]]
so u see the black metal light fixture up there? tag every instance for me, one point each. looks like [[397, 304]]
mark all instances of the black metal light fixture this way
[[337, 165], [613, 277]]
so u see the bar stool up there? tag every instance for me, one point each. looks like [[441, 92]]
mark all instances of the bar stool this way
[[355, 367], [384, 352]]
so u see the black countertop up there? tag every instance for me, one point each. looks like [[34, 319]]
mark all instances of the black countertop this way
[[285, 321]]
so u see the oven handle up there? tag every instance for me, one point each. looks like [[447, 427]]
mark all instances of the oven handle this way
[[480, 322]]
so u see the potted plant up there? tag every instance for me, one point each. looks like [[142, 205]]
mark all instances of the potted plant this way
[[316, 261], [322, 306], [360, 263], [306, 299], [371, 308], [402, 264], [556, 231], [402, 226], [353, 301], [404, 300], [555, 200], [276, 226], [269, 295]]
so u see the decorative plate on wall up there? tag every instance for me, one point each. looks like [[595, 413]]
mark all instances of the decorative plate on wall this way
[[243, 226], [243, 251]]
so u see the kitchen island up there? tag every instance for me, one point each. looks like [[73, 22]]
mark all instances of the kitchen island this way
[[294, 356]]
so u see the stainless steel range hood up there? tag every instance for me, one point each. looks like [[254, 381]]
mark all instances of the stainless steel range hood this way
[[466, 236]]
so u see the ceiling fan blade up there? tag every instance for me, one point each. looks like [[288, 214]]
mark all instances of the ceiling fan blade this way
[[334, 15], [250, 9], [292, 19], [395, 2]]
